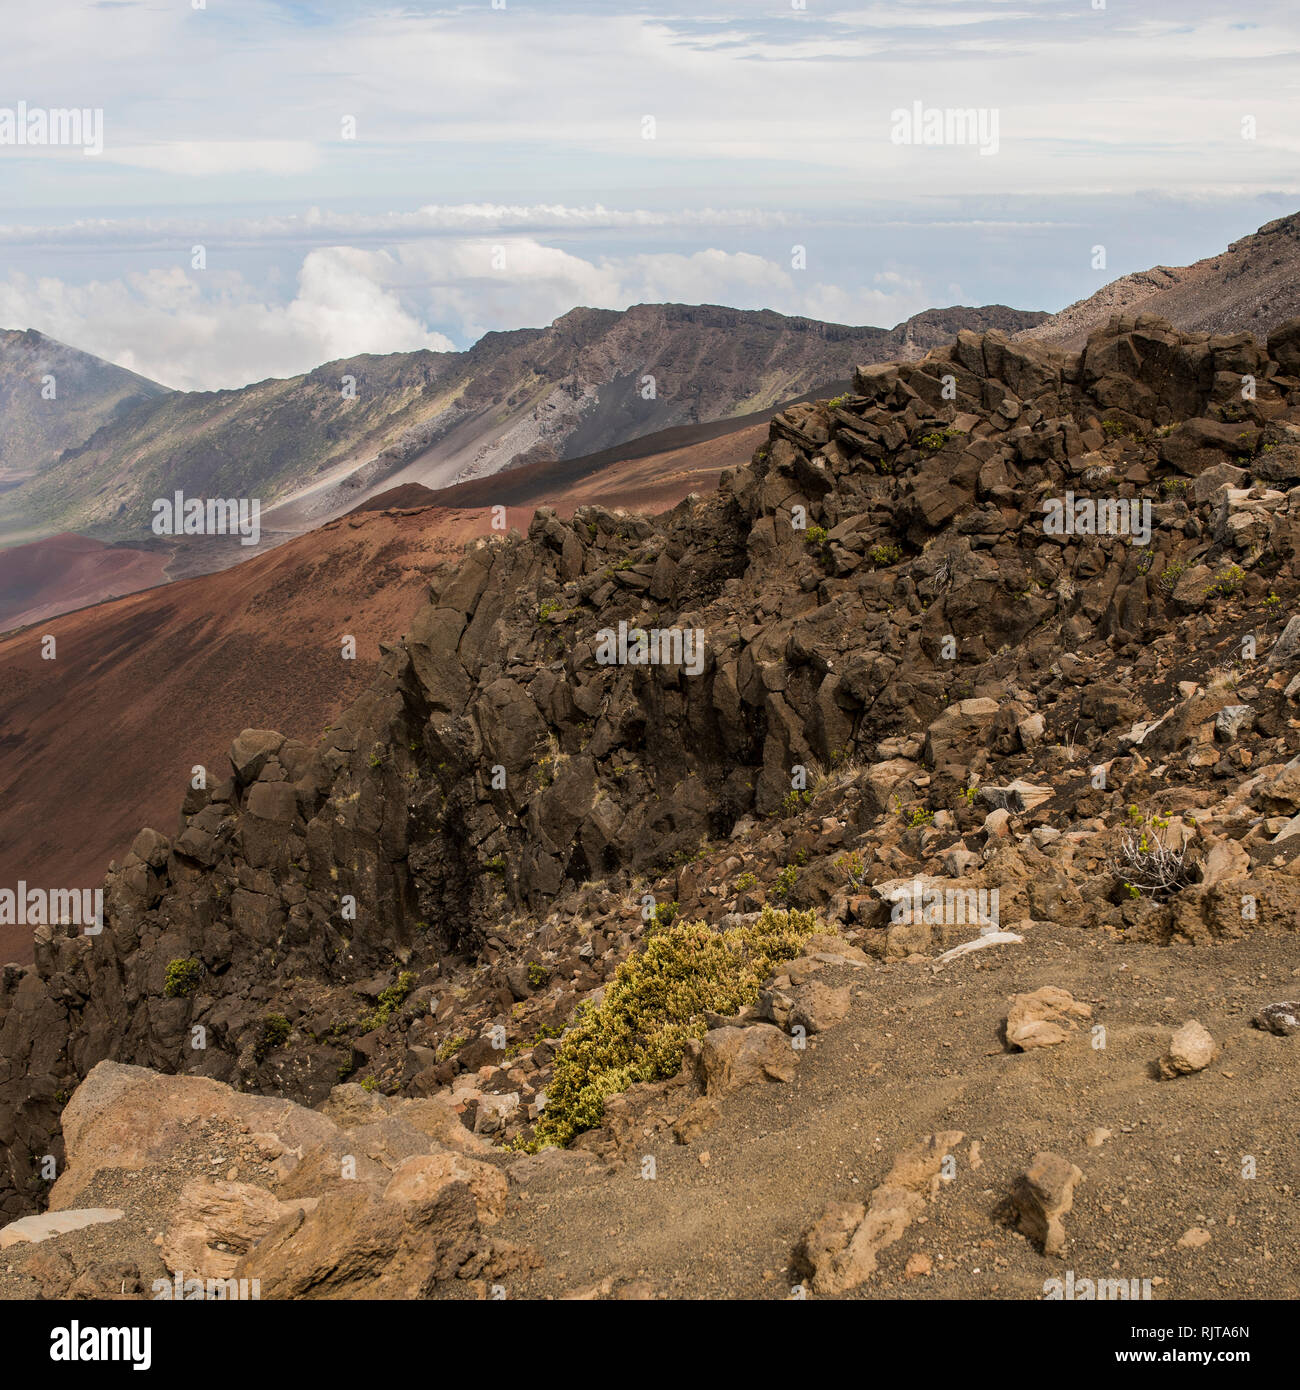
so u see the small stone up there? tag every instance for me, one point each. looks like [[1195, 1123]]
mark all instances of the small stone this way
[[1043, 1018], [1282, 1018], [1097, 1137], [918, 1265], [1231, 721], [1194, 1238], [1042, 1196], [1190, 1049]]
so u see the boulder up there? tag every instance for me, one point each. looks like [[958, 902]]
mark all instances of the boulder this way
[[1042, 1196], [1190, 1049], [1044, 1018]]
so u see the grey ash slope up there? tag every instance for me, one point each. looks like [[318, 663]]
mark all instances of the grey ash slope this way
[[88, 394]]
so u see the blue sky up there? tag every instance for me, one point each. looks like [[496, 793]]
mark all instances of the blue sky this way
[[498, 173]]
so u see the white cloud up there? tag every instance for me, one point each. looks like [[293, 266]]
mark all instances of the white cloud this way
[[206, 330], [203, 158], [324, 224], [162, 324]]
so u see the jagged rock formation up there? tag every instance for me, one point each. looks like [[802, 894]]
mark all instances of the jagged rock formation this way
[[468, 850]]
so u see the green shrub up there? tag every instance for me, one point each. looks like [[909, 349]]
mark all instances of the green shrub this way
[[275, 1033], [183, 978], [538, 975], [1226, 583], [1171, 574], [664, 915], [745, 882], [785, 882], [389, 1002], [885, 555], [655, 1003]]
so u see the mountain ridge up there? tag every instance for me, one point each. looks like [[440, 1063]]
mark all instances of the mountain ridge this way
[[1253, 285], [575, 387]]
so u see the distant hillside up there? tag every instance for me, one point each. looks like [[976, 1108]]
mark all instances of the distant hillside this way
[[87, 393], [1251, 287], [577, 387]]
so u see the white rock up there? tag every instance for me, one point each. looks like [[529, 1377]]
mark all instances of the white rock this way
[[34, 1229]]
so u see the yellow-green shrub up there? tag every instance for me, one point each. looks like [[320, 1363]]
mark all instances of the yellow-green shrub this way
[[654, 1003]]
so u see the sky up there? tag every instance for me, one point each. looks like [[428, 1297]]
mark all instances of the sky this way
[[276, 185]]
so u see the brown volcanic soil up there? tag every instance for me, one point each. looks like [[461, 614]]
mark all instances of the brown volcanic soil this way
[[921, 1052], [94, 744], [68, 571], [96, 741]]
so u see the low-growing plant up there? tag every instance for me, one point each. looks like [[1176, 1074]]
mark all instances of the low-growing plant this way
[[664, 915], [1146, 865], [1171, 574], [785, 882], [853, 868], [654, 1003], [1226, 583], [182, 978], [388, 1003], [275, 1033]]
